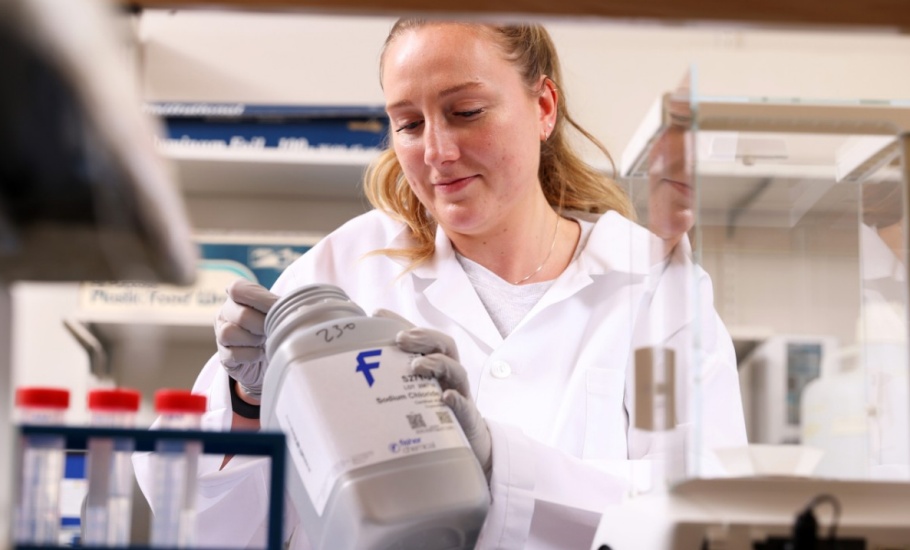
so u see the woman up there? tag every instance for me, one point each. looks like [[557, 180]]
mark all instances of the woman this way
[[488, 228]]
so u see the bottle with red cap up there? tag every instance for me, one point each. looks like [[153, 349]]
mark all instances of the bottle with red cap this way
[[108, 503], [41, 459], [174, 467]]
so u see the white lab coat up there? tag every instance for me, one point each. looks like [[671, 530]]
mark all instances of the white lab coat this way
[[560, 419]]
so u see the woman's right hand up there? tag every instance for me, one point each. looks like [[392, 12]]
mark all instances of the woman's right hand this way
[[240, 334]]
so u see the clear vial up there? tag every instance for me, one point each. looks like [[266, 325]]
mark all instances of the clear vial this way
[[108, 503], [41, 460], [174, 466]]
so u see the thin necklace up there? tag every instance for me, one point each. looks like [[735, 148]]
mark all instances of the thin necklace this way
[[552, 246]]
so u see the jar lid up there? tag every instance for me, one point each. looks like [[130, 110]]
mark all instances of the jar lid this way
[[51, 398], [179, 401], [114, 399]]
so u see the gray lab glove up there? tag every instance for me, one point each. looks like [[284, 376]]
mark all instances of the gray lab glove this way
[[440, 360], [240, 334]]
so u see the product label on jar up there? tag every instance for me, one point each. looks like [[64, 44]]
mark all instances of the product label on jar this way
[[359, 408]]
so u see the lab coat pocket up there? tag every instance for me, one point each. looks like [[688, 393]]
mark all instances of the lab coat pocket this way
[[605, 417]]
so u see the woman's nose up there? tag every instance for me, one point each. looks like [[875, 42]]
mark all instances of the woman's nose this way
[[440, 145]]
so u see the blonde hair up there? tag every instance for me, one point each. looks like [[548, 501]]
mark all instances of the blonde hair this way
[[568, 183]]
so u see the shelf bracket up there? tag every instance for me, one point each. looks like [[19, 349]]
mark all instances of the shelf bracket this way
[[98, 359]]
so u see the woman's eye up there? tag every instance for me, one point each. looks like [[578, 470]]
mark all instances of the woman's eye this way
[[469, 114], [409, 126]]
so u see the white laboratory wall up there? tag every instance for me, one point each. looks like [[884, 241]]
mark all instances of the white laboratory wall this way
[[43, 353], [769, 281], [612, 74]]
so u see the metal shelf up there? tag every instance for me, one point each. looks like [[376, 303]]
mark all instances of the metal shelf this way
[[270, 444]]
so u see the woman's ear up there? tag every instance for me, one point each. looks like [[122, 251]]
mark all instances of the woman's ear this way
[[547, 102]]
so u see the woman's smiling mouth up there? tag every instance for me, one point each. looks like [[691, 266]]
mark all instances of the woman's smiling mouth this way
[[454, 184]]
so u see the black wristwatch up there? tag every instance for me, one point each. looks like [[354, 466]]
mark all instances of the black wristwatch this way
[[240, 406]]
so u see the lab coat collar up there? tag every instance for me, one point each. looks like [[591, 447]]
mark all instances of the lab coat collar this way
[[615, 245], [619, 245], [447, 287], [606, 249]]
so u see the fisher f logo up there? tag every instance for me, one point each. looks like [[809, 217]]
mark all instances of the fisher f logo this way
[[366, 368]]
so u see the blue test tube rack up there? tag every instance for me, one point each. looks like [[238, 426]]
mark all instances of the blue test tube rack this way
[[271, 444]]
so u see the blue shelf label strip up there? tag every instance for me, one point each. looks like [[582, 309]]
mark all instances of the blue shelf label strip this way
[[298, 135], [266, 262]]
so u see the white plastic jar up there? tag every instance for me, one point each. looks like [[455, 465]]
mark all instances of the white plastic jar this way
[[376, 460]]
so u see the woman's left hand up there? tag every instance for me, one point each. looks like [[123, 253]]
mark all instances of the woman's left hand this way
[[440, 360]]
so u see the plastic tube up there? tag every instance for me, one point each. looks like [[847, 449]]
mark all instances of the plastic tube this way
[[41, 461], [108, 504], [174, 467]]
